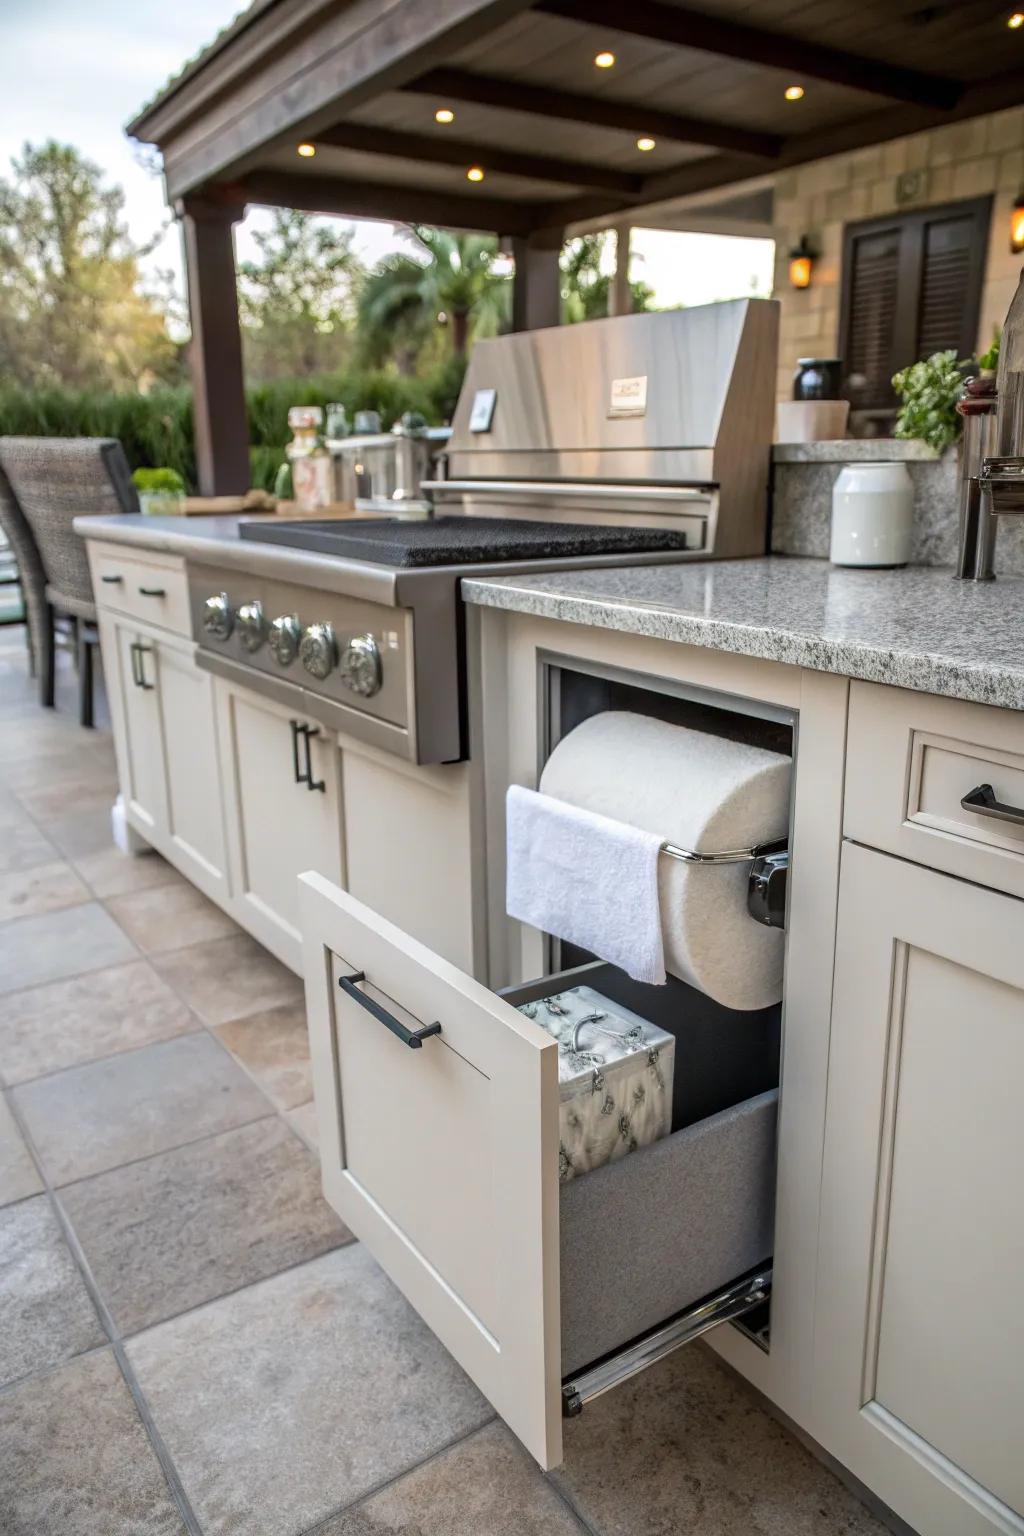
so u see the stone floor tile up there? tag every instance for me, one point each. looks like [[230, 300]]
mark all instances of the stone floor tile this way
[[187, 1226], [23, 845], [486, 1484], [34, 950], [76, 1459], [91, 1118], [44, 888], [46, 1315], [303, 1121], [83, 830], [170, 917], [274, 1047], [109, 872], [296, 1396], [18, 1174], [686, 1450], [66, 1023], [229, 978]]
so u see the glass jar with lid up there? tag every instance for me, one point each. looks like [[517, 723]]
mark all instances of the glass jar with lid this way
[[310, 461]]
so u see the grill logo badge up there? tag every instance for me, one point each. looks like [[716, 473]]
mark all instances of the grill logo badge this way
[[629, 396]]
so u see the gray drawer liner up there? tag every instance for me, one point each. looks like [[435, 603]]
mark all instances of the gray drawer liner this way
[[644, 1237]]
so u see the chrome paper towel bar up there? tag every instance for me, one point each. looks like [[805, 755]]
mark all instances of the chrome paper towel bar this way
[[769, 872]]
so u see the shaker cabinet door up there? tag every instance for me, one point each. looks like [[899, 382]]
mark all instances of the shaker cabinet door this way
[[136, 716], [195, 817], [919, 1366], [282, 809]]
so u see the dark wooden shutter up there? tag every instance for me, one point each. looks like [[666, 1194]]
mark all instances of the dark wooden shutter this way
[[911, 286], [874, 261]]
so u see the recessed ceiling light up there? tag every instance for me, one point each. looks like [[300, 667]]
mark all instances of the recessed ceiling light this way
[[605, 59], [794, 92], [307, 151], [645, 144], [444, 115], [1016, 20], [475, 173]]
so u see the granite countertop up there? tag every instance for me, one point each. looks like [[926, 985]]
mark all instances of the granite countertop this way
[[913, 628]]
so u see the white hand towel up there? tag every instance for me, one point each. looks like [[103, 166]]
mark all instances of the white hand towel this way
[[585, 878]]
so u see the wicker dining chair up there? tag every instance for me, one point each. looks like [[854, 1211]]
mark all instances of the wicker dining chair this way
[[53, 480], [31, 576]]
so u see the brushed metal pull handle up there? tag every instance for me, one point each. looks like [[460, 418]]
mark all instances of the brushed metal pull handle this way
[[112, 581], [311, 783], [982, 801], [152, 592], [414, 1038], [138, 650]]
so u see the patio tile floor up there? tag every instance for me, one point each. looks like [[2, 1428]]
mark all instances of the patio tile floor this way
[[190, 1343]]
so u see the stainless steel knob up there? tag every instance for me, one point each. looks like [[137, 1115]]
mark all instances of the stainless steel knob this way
[[218, 619], [284, 638], [318, 650], [361, 667], [252, 626]]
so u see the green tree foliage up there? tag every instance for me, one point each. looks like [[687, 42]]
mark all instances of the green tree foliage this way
[[297, 299], [586, 289], [449, 282], [73, 308]]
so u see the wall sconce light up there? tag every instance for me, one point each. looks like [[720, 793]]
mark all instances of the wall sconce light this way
[[801, 261], [1017, 224]]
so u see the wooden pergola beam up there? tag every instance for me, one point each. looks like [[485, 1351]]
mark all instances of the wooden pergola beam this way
[[336, 196], [599, 111], [683, 28], [437, 150]]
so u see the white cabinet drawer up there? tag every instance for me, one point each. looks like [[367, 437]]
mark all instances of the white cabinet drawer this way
[[912, 759], [150, 587], [444, 1160]]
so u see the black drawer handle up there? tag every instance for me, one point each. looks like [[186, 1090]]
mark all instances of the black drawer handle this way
[[411, 1037], [982, 801], [305, 775], [152, 592], [112, 581]]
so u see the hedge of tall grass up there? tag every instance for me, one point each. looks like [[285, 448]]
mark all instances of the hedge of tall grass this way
[[156, 429]]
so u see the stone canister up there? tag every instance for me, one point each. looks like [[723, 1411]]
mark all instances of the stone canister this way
[[872, 515]]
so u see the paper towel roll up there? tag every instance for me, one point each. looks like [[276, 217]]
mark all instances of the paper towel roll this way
[[700, 792]]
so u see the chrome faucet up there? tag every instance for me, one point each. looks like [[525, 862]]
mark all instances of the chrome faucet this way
[[992, 483]]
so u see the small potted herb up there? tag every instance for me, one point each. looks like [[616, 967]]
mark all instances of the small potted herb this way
[[929, 392], [161, 492]]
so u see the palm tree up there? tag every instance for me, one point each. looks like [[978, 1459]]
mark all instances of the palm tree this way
[[586, 289], [407, 296]]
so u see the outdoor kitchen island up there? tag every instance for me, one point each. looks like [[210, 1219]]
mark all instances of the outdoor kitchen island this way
[[902, 694]]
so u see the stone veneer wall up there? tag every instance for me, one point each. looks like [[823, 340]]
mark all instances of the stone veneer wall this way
[[959, 161], [803, 475]]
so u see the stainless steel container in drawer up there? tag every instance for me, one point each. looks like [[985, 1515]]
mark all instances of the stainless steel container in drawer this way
[[443, 1159]]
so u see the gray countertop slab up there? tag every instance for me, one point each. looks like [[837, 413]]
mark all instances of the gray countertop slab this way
[[913, 628], [855, 450]]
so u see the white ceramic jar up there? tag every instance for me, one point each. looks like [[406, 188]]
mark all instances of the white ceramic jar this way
[[872, 515]]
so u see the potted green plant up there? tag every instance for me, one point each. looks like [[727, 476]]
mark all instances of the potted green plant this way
[[928, 392], [161, 491]]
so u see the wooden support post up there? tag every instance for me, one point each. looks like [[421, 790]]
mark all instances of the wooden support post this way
[[620, 298], [536, 287], [220, 424]]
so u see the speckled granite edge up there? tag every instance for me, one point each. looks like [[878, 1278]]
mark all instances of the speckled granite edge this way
[[854, 450], [979, 683]]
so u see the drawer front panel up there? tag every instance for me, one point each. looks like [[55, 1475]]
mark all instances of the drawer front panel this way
[[442, 1159], [912, 759], [151, 588]]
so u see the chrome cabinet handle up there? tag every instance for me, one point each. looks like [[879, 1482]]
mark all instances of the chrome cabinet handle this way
[[414, 1038], [982, 801], [138, 650], [152, 592]]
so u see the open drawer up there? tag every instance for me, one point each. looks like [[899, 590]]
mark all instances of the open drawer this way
[[444, 1160]]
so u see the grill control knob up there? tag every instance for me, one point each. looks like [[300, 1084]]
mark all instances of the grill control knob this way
[[252, 627], [318, 651], [360, 666], [284, 639], [218, 620]]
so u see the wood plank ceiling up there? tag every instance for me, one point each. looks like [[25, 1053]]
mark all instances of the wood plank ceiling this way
[[556, 137]]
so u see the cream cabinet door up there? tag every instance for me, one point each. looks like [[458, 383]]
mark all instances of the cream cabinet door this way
[[194, 829], [443, 1159], [278, 824], [135, 709], [919, 1338]]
